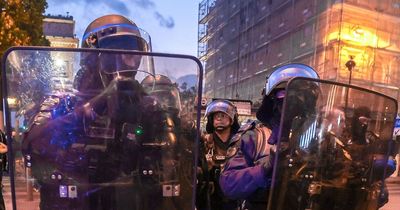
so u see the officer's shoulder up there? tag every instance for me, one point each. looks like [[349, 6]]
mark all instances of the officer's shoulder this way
[[260, 127], [248, 126], [244, 130]]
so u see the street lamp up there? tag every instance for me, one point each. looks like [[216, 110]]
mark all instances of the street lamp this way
[[350, 64]]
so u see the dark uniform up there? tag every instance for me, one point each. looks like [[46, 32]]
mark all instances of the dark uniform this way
[[244, 175], [215, 154], [213, 151], [248, 171], [111, 145], [85, 150]]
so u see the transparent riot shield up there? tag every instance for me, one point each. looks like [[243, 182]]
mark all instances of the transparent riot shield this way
[[333, 148], [101, 129]]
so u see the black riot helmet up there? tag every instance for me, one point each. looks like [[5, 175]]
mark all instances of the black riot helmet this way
[[117, 32], [273, 92], [226, 107], [163, 90]]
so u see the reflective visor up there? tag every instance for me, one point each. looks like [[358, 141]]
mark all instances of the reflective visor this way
[[111, 63], [280, 94], [120, 36], [125, 41]]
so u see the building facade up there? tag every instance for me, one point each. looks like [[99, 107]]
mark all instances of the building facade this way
[[60, 31], [241, 40]]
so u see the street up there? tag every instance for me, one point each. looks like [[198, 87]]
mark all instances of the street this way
[[23, 203], [393, 184]]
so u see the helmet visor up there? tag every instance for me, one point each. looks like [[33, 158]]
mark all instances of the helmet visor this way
[[118, 36], [124, 42], [286, 72], [127, 65], [114, 63], [168, 98]]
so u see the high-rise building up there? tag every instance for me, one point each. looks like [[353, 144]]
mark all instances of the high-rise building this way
[[60, 31], [241, 40]]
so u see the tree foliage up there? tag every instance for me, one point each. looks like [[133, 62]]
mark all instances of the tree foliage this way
[[21, 23]]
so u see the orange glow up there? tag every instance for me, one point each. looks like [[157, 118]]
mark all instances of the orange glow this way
[[358, 42], [361, 57], [358, 36]]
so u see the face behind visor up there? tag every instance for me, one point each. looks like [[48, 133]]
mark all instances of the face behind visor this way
[[118, 32], [119, 66], [114, 65]]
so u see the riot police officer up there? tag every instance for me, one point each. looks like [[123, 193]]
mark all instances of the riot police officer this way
[[222, 124], [364, 143], [178, 132], [78, 143], [166, 92], [248, 170]]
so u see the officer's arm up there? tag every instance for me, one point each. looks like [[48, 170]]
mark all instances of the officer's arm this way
[[241, 177], [50, 118]]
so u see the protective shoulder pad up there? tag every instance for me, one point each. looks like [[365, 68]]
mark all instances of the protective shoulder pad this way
[[243, 129], [248, 126]]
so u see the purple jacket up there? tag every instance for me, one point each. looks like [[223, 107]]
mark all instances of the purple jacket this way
[[244, 173]]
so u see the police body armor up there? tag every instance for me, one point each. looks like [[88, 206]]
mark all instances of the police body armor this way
[[264, 139], [215, 155], [105, 147], [332, 151]]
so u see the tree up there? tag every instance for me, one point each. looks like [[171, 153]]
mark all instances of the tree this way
[[21, 23]]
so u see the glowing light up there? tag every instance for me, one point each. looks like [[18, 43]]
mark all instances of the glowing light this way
[[358, 36], [12, 101], [59, 62], [139, 130]]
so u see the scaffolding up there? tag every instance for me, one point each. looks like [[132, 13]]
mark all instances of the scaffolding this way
[[205, 7], [241, 40]]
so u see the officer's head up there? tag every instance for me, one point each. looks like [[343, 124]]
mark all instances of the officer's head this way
[[115, 32], [164, 91], [274, 90], [120, 33], [221, 114]]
